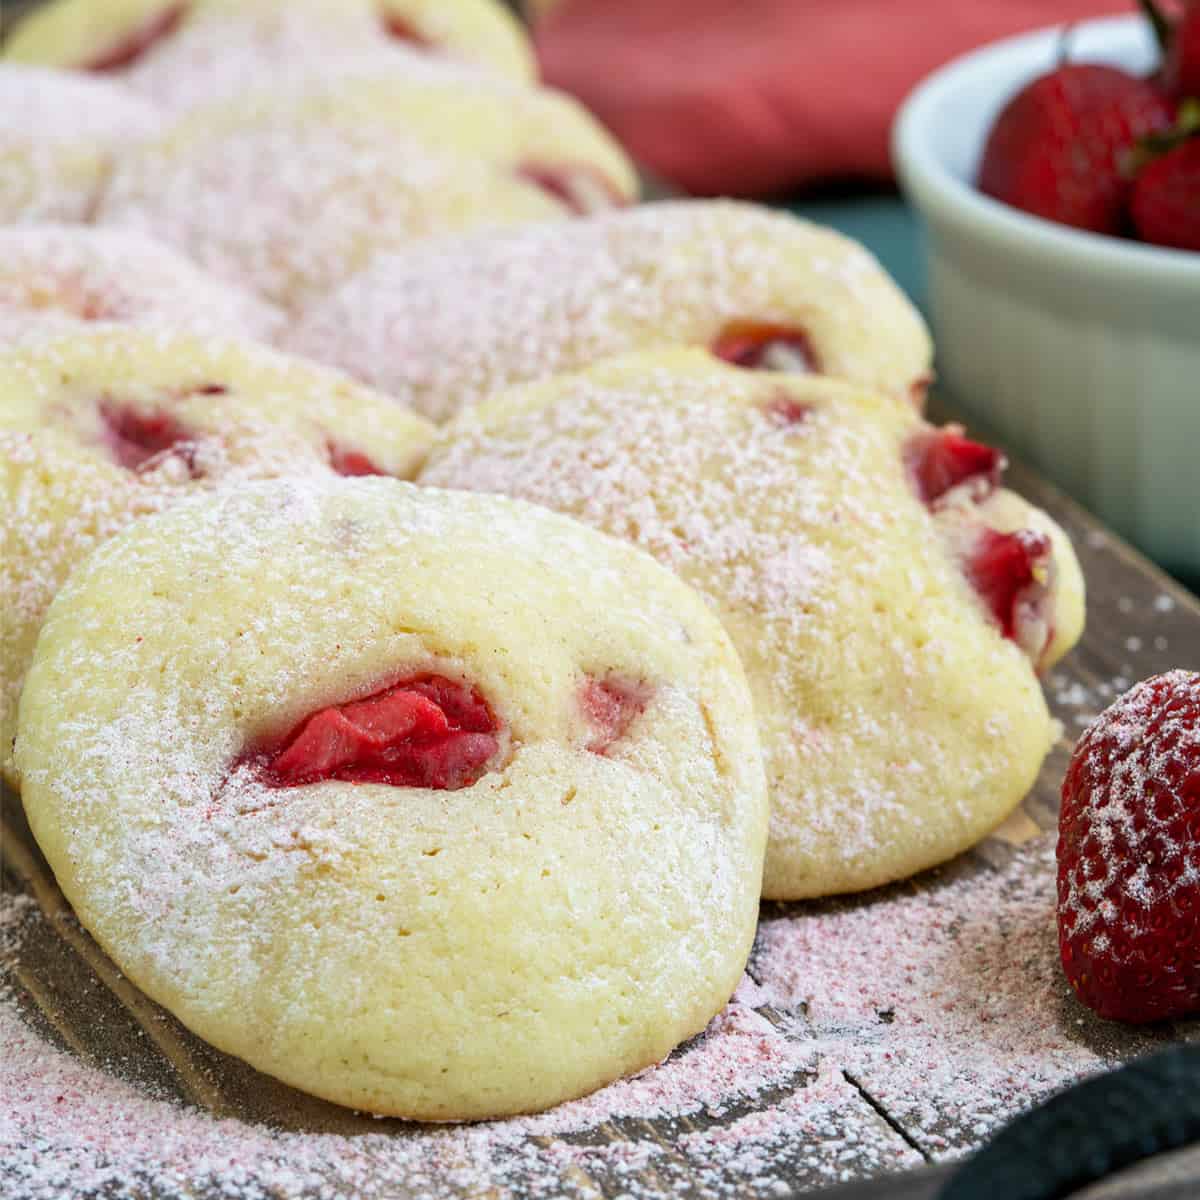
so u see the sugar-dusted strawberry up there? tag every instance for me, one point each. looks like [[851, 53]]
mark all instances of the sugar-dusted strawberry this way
[[1166, 198], [1057, 148], [1129, 855]]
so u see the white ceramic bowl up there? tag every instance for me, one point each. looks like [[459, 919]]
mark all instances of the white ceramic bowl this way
[[1082, 351]]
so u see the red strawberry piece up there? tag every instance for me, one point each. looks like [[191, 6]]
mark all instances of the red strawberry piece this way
[[759, 346], [1181, 66], [125, 52], [428, 732], [1057, 148], [395, 26], [581, 190], [610, 706], [1166, 198], [351, 462], [939, 460], [1011, 574], [1129, 855], [784, 410], [139, 440]]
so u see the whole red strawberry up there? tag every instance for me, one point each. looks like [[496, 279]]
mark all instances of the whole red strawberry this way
[[1181, 66], [1057, 147], [1166, 198], [1129, 855]]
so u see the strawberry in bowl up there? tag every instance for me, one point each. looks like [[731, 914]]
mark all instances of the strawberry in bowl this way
[[1060, 324], [1102, 148]]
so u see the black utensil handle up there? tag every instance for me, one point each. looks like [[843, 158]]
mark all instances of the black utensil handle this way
[[1088, 1132]]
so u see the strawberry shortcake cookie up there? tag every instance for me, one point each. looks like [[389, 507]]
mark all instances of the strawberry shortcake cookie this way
[[290, 193], [175, 49], [891, 602], [444, 325], [59, 133], [98, 429], [59, 278], [437, 805]]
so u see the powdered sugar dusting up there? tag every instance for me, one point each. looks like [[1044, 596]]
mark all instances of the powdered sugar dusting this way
[[446, 325], [947, 1007], [216, 54], [58, 133], [790, 530], [290, 193], [57, 278], [65, 491]]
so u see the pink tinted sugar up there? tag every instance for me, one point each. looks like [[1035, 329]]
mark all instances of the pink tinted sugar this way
[[946, 1006]]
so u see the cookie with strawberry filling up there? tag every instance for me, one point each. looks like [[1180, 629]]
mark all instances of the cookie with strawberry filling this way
[[101, 428], [891, 602], [59, 278], [443, 326], [173, 49], [289, 193], [59, 134], [436, 805]]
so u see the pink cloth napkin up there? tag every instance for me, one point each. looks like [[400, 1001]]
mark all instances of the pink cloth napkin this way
[[750, 97]]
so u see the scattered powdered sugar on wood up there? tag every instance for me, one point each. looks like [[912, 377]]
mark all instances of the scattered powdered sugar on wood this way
[[948, 1004], [54, 279], [58, 133], [443, 326], [947, 1007]]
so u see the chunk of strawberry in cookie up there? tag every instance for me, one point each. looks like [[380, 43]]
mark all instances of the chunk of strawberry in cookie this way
[[395, 26], [127, 50], [785, 411], [763, 347], [351, 462], [429, 732], [610, 706], [138, 439], [1012, 573], [581, 190], [940, 460]]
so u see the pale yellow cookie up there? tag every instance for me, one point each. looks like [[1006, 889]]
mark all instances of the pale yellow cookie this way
[[289, 194], [145, 41], [527, 860], [443, 326], [55, 279], [98, 429], [59, 133], [889, 609]]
